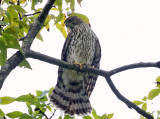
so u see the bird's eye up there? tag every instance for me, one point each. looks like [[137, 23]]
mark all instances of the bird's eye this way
[[70, 20]]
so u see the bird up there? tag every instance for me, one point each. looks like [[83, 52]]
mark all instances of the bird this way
[[73, 89]]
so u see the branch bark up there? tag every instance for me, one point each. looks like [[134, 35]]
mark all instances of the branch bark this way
[[11, 63], [37, 25], [18, 57], [106, 74], [125, 100]]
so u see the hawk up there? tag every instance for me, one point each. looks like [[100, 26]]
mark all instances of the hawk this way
[[73, 89]]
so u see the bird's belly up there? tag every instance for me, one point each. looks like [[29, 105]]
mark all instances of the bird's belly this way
[[82, 54]]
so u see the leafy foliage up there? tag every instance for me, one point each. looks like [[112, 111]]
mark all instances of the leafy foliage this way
[[37, 106], [154, 93], [15, 21]]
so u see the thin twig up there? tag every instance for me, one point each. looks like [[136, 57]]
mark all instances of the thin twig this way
[[107, 74], [22, 38], [52, 114], [30, 14], [51, 60], [125, 100], [133, 66]]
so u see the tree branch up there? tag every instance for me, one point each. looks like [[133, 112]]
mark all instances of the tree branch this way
[[51, 60], [125, 100], [106, 74], [11, 63], [37, 25], [30, 14], [18, 57], [133, 66]]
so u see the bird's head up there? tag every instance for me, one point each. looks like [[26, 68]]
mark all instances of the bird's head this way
[[72, 21]]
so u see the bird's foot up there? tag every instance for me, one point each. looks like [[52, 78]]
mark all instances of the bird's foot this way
[[81, 65], [92, 66]]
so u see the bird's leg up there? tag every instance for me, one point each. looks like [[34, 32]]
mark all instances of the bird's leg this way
[[92, 66], [80, 66]]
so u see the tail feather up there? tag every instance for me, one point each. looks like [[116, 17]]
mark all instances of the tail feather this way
[[72, 101]]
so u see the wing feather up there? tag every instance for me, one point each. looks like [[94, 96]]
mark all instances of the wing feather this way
[[90, 80], [64, 57]]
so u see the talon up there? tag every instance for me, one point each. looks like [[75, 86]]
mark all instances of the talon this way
[[80, 65], [92, 66]]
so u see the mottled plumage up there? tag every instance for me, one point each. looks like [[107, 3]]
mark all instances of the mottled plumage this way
[[73, 89]]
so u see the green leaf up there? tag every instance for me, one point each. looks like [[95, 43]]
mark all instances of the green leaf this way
[[87, 117], [72, 5], [61, 28], [29, 108], [18, 9], [46, 23], [8, 16], [2, 113], [3, 52], [40, 1], [104, 116], [158, 79], [67, 1], [23, 1], [14, 114], [1, 9], [59, 4], [6, 100], [60, 117], [39, 36], [13, 13], [50, 91], [38, 93], [48, 19], [79, 2], [67, 117], [12, 30], [3, 23], [34, 2], [25, 116], [158, 82], [153, 93], [144, 106], [27, 98], [47, 26], [54, 9], [144, 98], [23, 23], [94, 113], [43, 94], [83, 17], [138, 102], [109, 116], [11, 41], [25, 64], [49, 108], [59, 18]]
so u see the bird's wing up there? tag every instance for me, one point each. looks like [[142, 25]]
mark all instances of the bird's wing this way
[[90, 79], [65, 46], [64, 58]]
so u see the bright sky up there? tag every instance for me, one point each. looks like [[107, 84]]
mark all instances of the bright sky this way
[[128, 32]]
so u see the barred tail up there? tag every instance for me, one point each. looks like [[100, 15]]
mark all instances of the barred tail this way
[[73, 101]]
